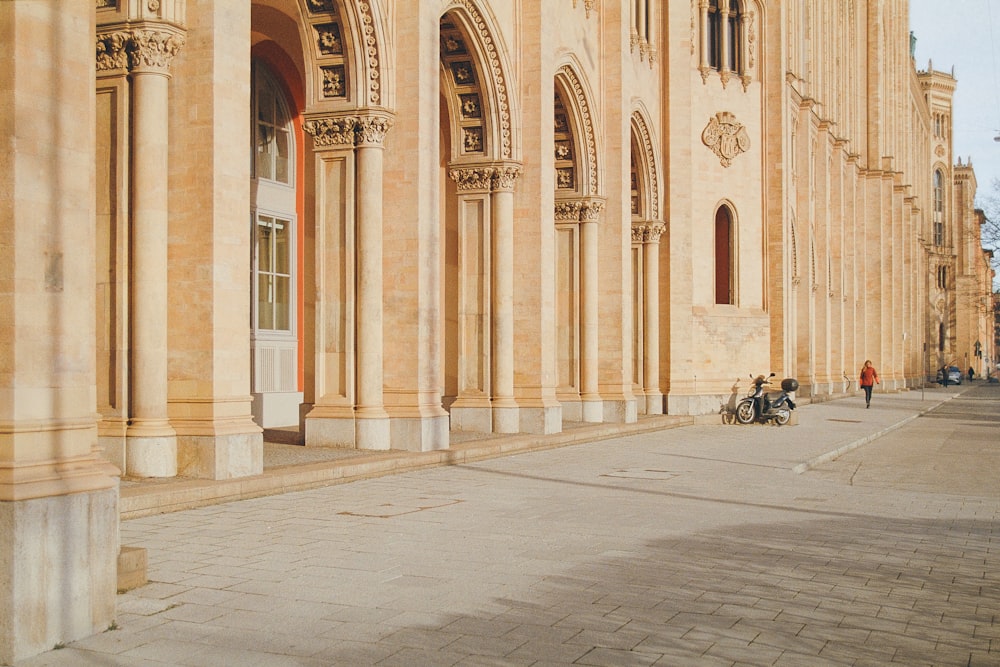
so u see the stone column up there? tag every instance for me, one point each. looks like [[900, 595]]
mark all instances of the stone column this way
[[505, 413], [151, 445], [593, 407], [58, 504], [330, 276], [372, 420], [651, 233]]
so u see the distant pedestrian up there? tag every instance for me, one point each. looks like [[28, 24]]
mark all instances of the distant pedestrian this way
[[869, 378], [944, 376], [972, 373]]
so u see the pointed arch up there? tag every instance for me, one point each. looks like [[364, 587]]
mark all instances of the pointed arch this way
[[575, 96]]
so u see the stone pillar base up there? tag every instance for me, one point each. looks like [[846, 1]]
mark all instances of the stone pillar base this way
[[541, 420], [420, 434], [592, 411], [221, 456], [329, 432], [151, 456], [506, 420], [373, 433], [654, 403], [474, 418], [623, 411], [59, 570]]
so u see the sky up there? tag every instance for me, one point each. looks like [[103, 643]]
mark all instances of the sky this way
[[965, 35]]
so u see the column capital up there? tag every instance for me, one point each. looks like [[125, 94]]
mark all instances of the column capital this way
[[371, 128], [356, 129], [583, 209], [504, 175], [331, 130], [647, 231], [472, 178], [142, 48]]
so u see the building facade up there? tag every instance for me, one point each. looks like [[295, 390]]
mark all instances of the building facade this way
[[383, 222]]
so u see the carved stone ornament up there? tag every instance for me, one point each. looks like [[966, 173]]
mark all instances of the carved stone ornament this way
[[726, 137], [474, 178], [143, 49], [331, 131], [647, 232]]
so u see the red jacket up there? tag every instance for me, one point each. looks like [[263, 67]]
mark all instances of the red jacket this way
[[869, 376]]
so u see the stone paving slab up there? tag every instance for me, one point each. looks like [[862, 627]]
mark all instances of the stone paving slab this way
[[702, 545]]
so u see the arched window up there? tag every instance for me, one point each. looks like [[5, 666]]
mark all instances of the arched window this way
[[733, 37], [274, 205], [723, 32], [713, 34], [724, 287], [938, 208]]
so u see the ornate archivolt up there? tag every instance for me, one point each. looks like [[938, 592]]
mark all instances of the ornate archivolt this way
[[640, 129], [476, 80], [331, 26], [582, 130], [726, 137]]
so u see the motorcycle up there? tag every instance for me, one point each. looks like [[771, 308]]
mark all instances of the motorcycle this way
[[759, 406]]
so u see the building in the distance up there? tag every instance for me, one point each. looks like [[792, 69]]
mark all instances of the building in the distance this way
[[382, 222]]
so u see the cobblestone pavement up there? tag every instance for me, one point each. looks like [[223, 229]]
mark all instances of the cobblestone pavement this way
[[702, 545]]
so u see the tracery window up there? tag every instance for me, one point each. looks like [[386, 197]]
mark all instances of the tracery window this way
[[725, 29]]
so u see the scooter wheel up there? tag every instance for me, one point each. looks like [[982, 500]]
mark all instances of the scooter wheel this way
[[745, 412], [782, 417]]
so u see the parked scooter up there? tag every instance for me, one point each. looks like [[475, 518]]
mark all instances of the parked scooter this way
[[759, 406]]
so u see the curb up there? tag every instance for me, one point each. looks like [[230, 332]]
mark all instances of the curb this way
[[840, 451]]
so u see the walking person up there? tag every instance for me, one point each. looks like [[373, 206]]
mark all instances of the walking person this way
[[869, 378]]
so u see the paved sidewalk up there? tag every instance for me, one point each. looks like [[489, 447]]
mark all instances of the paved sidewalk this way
[[700, 545]]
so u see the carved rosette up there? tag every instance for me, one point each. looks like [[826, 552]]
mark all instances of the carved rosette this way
[[647, 232], [726, 137], [371, 52]]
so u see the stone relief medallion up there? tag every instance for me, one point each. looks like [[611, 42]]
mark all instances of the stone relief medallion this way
[[939, 151], [726, 137]]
